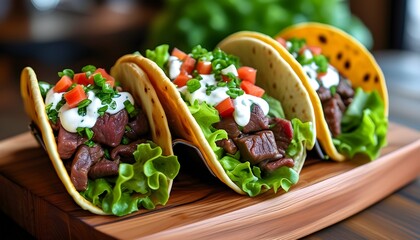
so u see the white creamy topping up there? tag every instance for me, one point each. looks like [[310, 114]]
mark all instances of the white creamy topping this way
[[174, 67], [243, 103], [230, 69], [70, 118]]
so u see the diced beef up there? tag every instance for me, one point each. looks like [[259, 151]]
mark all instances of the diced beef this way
[[283, 133], [257, 122], [323, 93], [270, 166], [138, 127], [228, 145], [125, 152], [109, 129], [55, 126], [229, 125], [333, 115], [68, 142], [103, 168], [344, 88], [84, 158], [340, 103], [258, 147]]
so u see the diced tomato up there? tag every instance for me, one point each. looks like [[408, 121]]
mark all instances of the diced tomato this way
[[181, 80], [321, 74], [204, 67], [75, 96], [109, 79], [252, 89], [247, 74], [178, 53], [188, 65], [225, 107], [282, 41], [63, 84], [81, 78], [314, 50]]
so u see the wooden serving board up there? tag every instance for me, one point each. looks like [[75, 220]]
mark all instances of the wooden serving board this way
[[200, 206]]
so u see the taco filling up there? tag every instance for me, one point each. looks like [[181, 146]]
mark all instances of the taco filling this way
[[245, 127], [355, 118], [102, 137]]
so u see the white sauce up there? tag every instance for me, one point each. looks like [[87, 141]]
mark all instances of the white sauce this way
[[243, 103], [174, 67], [70, 118]]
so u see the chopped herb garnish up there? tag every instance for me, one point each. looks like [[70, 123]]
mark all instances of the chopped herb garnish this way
[[125, 140], [296, 44], [102, 110], [84, 103], [193, 85], [44, 87], [132, 111], [113, 105], [322, 62], [89, 69], [67, 72], [90, 143], [209, 89], [106, 153], [82, 111], [234, 92], [333, 90]]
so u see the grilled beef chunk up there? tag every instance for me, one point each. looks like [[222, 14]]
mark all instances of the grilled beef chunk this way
[[228, 145], [270, 166], [109, 129], [68, 142], [323, 93], [229, 125], [333, 115], [344, 89], [138, 127], [103, 168], [257, 122], [283, 133], [84, 158], [125, 152], [258, 147]]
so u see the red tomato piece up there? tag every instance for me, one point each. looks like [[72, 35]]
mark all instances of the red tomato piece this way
[[75, 96], [81, 78], [282, 41], [204, 67], [178, 53], [188, 65], [63, 84], [109, 79], [252, 89], [248, 74], [181, 80], [225, 108]]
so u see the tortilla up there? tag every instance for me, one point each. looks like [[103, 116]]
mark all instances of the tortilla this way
[[135, 81], [283, 85]]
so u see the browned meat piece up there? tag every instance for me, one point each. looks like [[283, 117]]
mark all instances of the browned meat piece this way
[[68, 142], [333, 115], [228, 145], [344, 89], [257, 122], [270, 166], [125, 152], [258, 147], [109, 129], [323, 93], [104, 168], [84, 158], [230, 126], [340, 102], [283, 133], [138, 127]]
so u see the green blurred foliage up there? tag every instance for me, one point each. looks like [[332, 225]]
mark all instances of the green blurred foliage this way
[[187, 23]]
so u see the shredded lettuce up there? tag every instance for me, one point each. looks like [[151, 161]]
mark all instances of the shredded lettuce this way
[[364, 126], [159, 55], [143, 183]]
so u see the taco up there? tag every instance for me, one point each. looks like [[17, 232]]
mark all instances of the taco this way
[[106, 136], [346, 86], [251, 132]]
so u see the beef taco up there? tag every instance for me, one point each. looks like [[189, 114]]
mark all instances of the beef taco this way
[[346, 86], [106, 135], [237, 110]]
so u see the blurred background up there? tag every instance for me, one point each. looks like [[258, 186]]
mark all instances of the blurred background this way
[[50, 35]]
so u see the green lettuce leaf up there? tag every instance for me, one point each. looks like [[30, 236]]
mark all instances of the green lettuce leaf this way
[[159, 55], [364, 126], [143, 183]]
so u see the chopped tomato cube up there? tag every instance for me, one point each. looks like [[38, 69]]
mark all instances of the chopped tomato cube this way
[[181, 80], [81, 78], [282, 41], [75, 96], [188, 65], [63, 84], [225, 108], [247, 74], [109, 79], [252, 89], [204, 67], [178, 53]]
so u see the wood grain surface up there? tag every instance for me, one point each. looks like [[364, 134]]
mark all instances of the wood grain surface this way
[[200, 206]]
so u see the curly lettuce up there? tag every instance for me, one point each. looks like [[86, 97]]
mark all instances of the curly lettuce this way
[[364, 126], [143, 183]]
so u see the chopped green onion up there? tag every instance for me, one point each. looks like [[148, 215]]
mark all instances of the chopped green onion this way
[[125, 140], [132, 111], [193, 85], [89, 133], [234, 92], [102, 110], [90, 143], [82, 111], [84, 103], [67, 72], [322, 62], [106, 154], [209, 89], [333, 90], [89, 69], [222, 84], [44, 87], [113, 105]]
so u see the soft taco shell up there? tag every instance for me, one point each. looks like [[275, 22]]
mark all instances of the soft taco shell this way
[[277, 83], [135, 81]]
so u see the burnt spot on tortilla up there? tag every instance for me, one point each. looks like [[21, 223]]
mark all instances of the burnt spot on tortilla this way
[[376, 79], [322, 39], [269, 52], [157, 133], [253, 50], [366, 77], [274, 85], [291, 96], [347, 64], [293, 109], [339, 55], [153, 101], [145, 89], [271, 65], [166, 87]]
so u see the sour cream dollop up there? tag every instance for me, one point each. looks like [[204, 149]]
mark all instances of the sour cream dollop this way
[[70, 118]]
